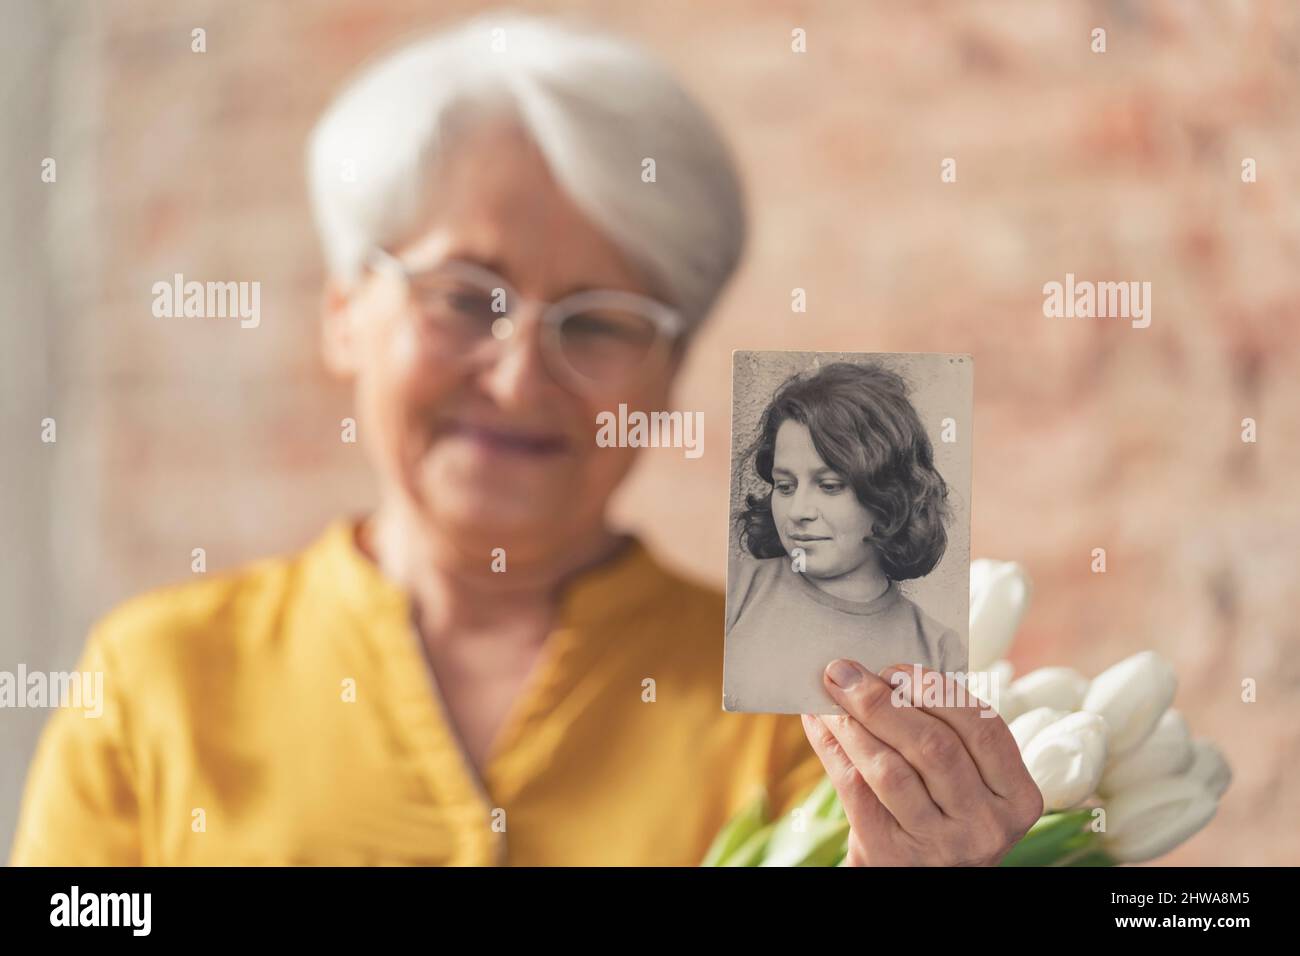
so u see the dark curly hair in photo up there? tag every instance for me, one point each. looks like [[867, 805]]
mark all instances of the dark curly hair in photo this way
[[865, 428]]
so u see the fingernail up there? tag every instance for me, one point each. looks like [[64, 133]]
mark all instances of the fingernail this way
[[843, 674]]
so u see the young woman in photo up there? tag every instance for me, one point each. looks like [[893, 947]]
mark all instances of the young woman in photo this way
[[854, 506]]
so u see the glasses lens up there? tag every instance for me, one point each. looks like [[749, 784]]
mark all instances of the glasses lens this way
[[608, 343], [458, 310]]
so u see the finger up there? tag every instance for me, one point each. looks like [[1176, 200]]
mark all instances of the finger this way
[[894, 781], [929, 745], [868, 817], [988, 741]]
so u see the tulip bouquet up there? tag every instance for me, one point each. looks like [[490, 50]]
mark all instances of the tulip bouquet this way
[[1122, 779]]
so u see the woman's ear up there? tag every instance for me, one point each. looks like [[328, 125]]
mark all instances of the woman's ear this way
[[338, 334]]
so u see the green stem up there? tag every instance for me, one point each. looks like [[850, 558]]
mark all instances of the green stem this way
[[1047, 840]]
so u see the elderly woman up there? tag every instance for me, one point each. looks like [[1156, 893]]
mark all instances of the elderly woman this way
[[482, 671]]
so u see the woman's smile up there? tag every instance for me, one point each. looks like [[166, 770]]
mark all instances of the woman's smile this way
[[511, 441]]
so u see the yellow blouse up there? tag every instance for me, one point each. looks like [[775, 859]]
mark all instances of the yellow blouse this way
[[286, 714]]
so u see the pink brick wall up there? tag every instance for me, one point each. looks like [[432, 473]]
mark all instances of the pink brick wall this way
[[1124, 165]]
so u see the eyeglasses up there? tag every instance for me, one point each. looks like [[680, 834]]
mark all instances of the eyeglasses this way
[[591, 340]]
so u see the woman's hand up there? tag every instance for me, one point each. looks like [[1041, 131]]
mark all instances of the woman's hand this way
[[922, 785]]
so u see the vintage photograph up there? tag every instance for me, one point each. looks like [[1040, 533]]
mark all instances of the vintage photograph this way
[[850, 520]]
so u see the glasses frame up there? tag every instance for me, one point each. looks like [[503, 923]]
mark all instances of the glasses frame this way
[[670, 324]]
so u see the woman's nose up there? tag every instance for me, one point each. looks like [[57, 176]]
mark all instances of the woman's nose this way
[[802, 507], [516, 374]]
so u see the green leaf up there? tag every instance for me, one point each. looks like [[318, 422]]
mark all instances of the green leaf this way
[[1088, 854], [823, 802], [737, 831], [819, 843], [1054, 835], [750, 853]]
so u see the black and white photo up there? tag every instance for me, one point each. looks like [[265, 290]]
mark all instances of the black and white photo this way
[[850, 522]]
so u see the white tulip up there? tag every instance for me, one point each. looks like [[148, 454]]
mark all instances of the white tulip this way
[[1027, 726], [1154, 817], [1066, 759], [991, 685], [1166, 752], [1131, 696], [1209, 768], [1002, 671], [999, 594], [1061, 688], [1008, 705]]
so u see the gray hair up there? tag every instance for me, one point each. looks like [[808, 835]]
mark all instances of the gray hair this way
[[596, 106]]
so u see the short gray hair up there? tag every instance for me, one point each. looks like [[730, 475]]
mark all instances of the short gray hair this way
[[595, 105]]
